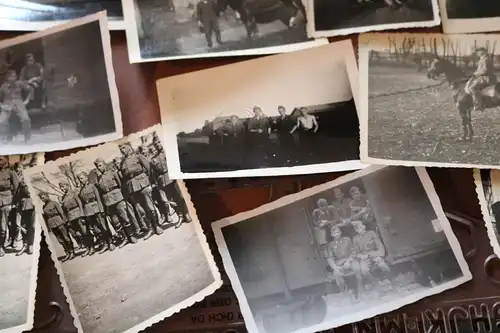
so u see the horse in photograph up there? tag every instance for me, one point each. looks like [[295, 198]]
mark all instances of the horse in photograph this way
[[462, 95]]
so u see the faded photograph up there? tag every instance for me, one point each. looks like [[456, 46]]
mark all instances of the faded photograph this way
[[117, 223], [466, 16], [19, 244], [27, 15], [488, 192], [366, 243], [430, 100], [163, 29], [342, 17], [278, 122], [54, 85]]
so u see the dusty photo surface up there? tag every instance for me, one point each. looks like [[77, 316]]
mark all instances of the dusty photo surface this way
[[29, 15], [430, 100], [287, 117], [364, 244], [57, 88], [465, 16], [125, 238], [343, 17], [176, 29], [19, 244], [488, 192]]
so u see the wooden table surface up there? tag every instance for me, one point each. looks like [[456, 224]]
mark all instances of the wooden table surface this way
[[215, 199]]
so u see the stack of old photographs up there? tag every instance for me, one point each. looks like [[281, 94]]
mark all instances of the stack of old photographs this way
[[118, 217]]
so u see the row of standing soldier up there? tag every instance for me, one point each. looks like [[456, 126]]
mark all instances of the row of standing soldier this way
[[117, 204], [17, 215]]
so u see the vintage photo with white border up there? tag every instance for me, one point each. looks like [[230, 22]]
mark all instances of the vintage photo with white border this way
[[276, 115], [34, 15], [364, 244], [328, 18], [125, 239], [488, 192], [160, 30], [467, 16], [19, 244], [429, 100], [58, 88]]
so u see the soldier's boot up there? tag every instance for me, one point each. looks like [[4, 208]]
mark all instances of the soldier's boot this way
[[111, 246], [148, 235], [3, 235], [2, 251], [23, 250], [123, 238], [130, 234], [30, 249]]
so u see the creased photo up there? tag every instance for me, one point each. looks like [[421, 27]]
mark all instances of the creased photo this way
[[343, 17], [19, 244], [276, 115], [466, 16], [179, 29], [488, 192], [57, 88], [430, 100], [33, 15], [125, 238], [364, 244]]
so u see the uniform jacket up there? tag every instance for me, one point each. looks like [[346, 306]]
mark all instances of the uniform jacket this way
[[31, 71], [23, 197], [11, 95], [369, 243], [341, 248], [259, 123], [110, 188], [319, 215], [91, 200], [72, 205], [207, 11], [135, 170], [484, 66], [9, 183], [53, 214], [159, 170], [343, 208]]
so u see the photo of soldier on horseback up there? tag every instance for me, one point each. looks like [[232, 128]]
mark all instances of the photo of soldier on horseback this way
[[483, 76]]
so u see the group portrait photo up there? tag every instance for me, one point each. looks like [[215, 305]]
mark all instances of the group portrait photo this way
[[111, 214], [235, 127], [54, 84], [174, 29], [344, 251], [32, 15], [430, 100], [19, 243], [343, 17]]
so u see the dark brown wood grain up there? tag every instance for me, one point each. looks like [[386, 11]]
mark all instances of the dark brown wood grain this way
[[215, 199]]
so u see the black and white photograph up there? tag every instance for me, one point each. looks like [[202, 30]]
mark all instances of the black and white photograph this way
[[19, 244], [328, 18], [466, 16], [276, 115], [363, 244], [116, 225], [179, 29], [34, 15], [488, 192], [430, 100], [57, 88]]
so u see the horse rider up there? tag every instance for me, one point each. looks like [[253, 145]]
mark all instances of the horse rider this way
[[208, 20], [483, 76]]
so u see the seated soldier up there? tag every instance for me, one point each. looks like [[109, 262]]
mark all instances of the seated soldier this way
[[370, 252], [341, 257]]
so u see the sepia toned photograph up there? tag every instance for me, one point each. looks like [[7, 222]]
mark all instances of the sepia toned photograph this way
[[328, 18], [430, 100], [178, 29], [57, 88], [33, 15], [286, 117], [19, 244], [488, 192], [466, 16], [115, 223], [364, 244]]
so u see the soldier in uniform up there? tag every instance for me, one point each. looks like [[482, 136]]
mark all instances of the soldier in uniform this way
[[166, 185], [324, 217], [73, 209], [25, 213], [284, 124], [136, 173], [342, 204], [361, 208], [94, 211], [56, 222], [259, 129], [33, 74], [9, 183], [483, 76], [110, 188], [208, 20], [12, 103]]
